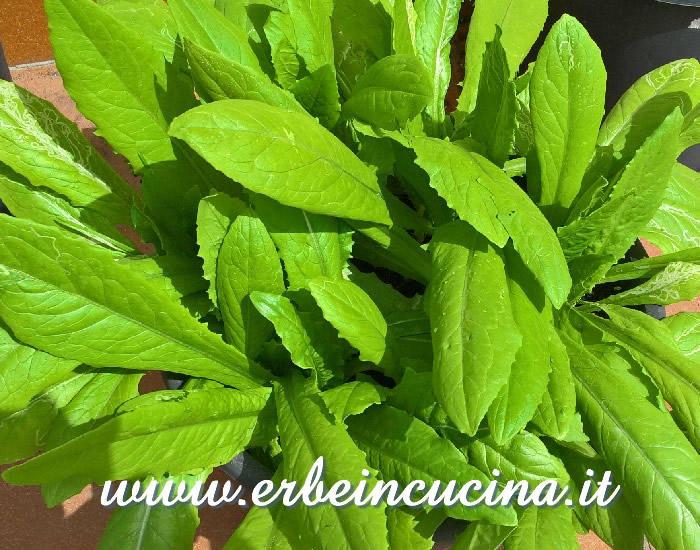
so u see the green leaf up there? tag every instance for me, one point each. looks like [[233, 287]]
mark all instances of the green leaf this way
[[480, 535], [283, 155], [403, 448], [402, 525], [312, 26], [43, 206], [69, 317], [494, 115], [686, 332], [356, 317], [352, 398], [523, 458], [473, 350], [220, 78], [311, 245], [199, 429], [643, 107], [648, 267], [214, 217], [521, 22], [200, 22], [120, 88], [494, 205], [674, 373], [594, 243], [23, 433], [304, 344], [247, 261], [96, 400], [307, 431], [26, 372], [679, 281], [544, 529], [279, 31], [519, 398], [140, 526], [617, 525], [392, 91], [691, 129], [37, 140], [676, 224], [436, 23], [662, 480], [403, 28], [555, 413], [318, 94], [567, 100]]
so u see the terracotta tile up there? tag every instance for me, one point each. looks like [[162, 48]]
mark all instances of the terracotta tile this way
[[24, 31]]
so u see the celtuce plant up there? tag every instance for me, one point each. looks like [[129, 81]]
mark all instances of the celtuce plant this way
[[343, 269]]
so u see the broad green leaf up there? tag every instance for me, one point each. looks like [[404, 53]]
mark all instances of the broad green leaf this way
[[523, 458], [617, 525], [312, 26], [393, 248], [214, 217], [279, 31], [594, 243], [410, 332], [307, 431], [675, 374], [521, 22], [474, 345], [23, 432], [220, 78], [494, 205], [69, 317], [544, 529], [356, 317], [403, 28], [691, 128], [679, 281], [567, 100], [247, 261], [392, 91], [415, 395], [195, 430], [96, 400], [118, 81], [352, 398], [676, 224], [131, 93], [494, 115], [402, 525], [311, 245], [140, 527], [152, 19], [555, 413], [48, 150], [661, 479], [403, 448], [646, 104], [318, 94], [26, 372], [685, 328], [480, 535], [387, 298], [518, 399], [297, 334], [200, 22], [436, 23], [46, 207], [648, 267], [283, 155]]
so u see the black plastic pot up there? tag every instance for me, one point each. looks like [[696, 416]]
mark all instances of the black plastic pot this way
[[637, 36], [4, 75]]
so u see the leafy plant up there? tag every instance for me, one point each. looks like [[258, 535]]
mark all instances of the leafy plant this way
[[342, 268]]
